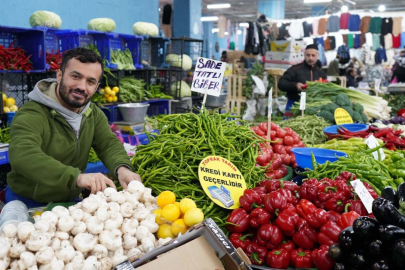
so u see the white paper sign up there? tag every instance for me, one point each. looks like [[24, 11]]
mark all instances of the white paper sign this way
[[363, 194], [270, 103], [303, 100], [372, 142], [208, 76]]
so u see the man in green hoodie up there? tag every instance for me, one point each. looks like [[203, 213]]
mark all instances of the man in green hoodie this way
[[52, 134]]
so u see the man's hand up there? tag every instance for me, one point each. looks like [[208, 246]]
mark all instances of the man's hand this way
[[94, 181], [125, 176], [299, 86]]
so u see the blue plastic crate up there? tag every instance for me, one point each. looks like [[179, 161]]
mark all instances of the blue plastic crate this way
[[51, 39], [158, 106], [153, 51], [31, 40], [143, 139], [96, 167], [112, 113], [4, 157], [121, 42]]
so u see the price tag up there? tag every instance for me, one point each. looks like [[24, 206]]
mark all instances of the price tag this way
[[270, 103], [303, 100], [208, 76], [372, 142], [342, 117], [363, 194]]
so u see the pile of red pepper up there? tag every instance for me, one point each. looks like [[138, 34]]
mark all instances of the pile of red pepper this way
[[281, 224], [14, 59], [54, 60], [278, 154]]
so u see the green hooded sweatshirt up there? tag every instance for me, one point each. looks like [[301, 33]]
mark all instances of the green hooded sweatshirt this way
[[50, 146]]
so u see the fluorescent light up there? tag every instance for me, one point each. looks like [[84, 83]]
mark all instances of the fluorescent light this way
[[316, 1], [351, 2], [344, 8], [216, 6], [239, 32], [381, 8], [244, 24], [278, 24], [226, 33], [209, 18], [215, 30]]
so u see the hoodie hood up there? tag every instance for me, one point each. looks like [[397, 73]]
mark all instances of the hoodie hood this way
[[45, 93]]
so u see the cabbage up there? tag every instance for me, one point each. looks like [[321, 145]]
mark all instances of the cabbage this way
[[185, 90], [144, 28], [175, 61], [101, 24], [46, 19]]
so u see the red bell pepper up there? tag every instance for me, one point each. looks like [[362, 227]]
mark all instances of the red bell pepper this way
[[325, 193], [287, 221], [315, 217], [337, 203], [263, 158], [305, 237], [321, 259], [240, 240], [357, 206], [257, 254], [333, 216], [263, 243], [342, 186], [273, 185], [263, 127], [261, 191], [259, 217], [274, 203], [289, 196], [238, 221], [250, 200], [287, 245], [301, 258], [308, 190], [347, 218], [278, 258], [371, 190], [347, 176], [329, 234], [270, 233]]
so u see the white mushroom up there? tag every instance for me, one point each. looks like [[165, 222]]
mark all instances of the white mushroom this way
[[119, 257], [9, 230], [90, 205], [101, 202], [101, 195], [136, 188], [99, 251], [54, 264], [129, 241], [91, 263], [111, 239], [77, 261], [55, 243], [150, 222], [106, 263], [14, 265], [62, 235], [60, 211], [129, 226], [25, 228], [114, 207], [66, 223], [151, 206], [66, 252], [84, 242], [126, 210], [37, 240], [118, 197], [147, 196], [42, 225], [51, 217], [34, 267], [141, 232], [77, 214], [114, 222], [16, 249], [86, 216], [4, 263], [102, 213], [134, 254], [5, 247], [108, 192], [129, 197], [44, 255], [27, 259], [80, 227], [95, 225], [140, 212]]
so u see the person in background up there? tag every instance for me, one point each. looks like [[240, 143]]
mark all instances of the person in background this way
[[333, 68], [399, 71], [351, 78], [296, 76], [51, 136]]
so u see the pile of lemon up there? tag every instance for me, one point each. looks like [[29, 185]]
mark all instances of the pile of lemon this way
[[9, 104], [110, 94], [176, 217]]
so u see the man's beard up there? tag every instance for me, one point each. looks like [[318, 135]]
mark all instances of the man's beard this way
[[72, 102]]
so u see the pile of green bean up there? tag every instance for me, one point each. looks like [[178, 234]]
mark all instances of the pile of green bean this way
[[309, 127], [170, 161]]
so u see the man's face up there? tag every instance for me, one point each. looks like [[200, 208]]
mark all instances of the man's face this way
[[78, 83], [311, 56]]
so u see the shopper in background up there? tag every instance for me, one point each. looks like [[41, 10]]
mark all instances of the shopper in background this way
[[296, 76], [333, 68], [52, 134], [351, 78]]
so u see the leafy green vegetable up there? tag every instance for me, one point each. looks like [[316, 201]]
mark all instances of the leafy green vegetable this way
[[248, 83], [46, 19], [93, 156], [102, 24], [131, 89], [123, 59], [154, 92]]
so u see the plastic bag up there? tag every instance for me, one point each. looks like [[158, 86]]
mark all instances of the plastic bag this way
[[251, 110]]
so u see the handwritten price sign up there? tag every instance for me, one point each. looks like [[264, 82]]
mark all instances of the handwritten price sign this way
[[208, 76]]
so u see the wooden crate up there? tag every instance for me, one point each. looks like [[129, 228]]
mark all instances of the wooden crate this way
[[235, 99]]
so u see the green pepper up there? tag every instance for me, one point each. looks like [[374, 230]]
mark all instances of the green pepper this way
[[397, 156], [400, 164], [400, 172]]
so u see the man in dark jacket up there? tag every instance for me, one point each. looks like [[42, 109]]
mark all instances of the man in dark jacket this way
[[296, 76]]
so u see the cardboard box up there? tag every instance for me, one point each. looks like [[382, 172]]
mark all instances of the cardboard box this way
[[203, 247], [238, 54], [284, 58], [290, 46]]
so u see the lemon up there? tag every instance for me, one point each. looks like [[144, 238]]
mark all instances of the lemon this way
[[102, 91], [164, 231], [116, 89], [158, 219], [179, 226], [106, 95], [13, 108], [4, 98], [165, 198], [193, 216], [110, 99], [115, 98], [107, 90], [187, 204], [10, 102], [113, 94], [6, 109], [170, 212]]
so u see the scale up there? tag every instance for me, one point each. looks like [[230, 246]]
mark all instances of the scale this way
[[138, 129]]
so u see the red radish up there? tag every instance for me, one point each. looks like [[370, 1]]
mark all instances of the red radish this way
[[278, 174], [292, 159], [297, 139], [286, 158], [284, 169], [288, 149], [288, 140], [289, 131], [274, 126], [273, 134], [278, 141], [281, 133], [279, 149]]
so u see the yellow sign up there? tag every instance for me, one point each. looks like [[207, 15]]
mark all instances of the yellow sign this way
[[342, 117], [278, 47], [221, 181]]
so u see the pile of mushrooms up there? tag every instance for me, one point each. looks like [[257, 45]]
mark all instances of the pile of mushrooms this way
[[98, 233]]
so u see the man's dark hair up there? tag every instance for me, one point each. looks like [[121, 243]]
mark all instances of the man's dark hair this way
[[84, 55]]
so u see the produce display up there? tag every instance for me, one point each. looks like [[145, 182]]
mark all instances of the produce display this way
[[9, 104], [54, 60], [102, 25], [123, 59], [14, 59], [109, 94], [184, 61], [144, 28], [131, 89], [93, 156], [185, 90], [348, 146], [46, 19], [155, 91]]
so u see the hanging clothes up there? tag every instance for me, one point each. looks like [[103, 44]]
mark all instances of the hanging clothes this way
[[396, 41], [354, 22], [333, 24], [376, 42], [375, 25], [388, 41], [326, 43], [380, 55], [282, 32], [345, 39], [255, 40], [338, 40], [296, 30], [386, 26], [332, 42], [344, 20], [403, 24], [307, 28], [221, 26], [344, 53], [365, 24], [369, 39], [350, 40], [321, 51], [315, 24], [362, 39], [366, 55], [396, 26], [167, 20], [322, 26], [356, 43], [402, 45]]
